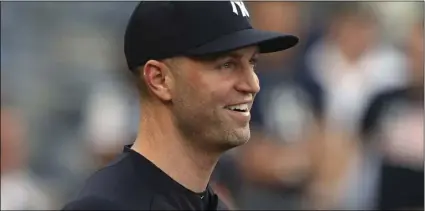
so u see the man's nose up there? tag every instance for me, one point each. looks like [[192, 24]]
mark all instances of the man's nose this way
[[248, 82]]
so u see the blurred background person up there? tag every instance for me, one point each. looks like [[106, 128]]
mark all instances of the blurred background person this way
[[20, 189], [345, 68], [393, 128], [350, 63]]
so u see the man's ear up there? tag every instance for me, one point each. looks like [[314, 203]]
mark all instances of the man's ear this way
[[157, 77]]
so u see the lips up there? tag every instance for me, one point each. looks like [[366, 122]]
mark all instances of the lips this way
[[243, 107], [240, 112], [240, 106]]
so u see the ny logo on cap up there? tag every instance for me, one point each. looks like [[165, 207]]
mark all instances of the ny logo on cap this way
[[241, 8]]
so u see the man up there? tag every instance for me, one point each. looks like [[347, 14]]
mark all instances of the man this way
[[194, 63]]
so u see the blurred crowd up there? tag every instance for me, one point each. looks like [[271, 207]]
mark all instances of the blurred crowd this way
[[338, 123]]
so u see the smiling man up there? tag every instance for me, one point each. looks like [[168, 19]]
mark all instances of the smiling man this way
[[194, 63]]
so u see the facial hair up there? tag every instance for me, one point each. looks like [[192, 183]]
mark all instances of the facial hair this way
[[205, 126]]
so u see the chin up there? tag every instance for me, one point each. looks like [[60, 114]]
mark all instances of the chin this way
[[225, 139], [238, 137]]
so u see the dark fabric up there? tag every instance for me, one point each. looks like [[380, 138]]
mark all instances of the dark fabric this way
[[372, 118], [132, 182], [93, 203], [399, 187], [313, 89]]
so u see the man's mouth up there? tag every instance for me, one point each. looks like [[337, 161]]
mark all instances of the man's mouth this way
[[238, 108]]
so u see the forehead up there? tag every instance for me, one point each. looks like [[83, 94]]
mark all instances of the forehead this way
[[191, 67], [184, 64]]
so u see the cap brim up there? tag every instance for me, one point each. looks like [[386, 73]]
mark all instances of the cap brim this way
[[267, 42]]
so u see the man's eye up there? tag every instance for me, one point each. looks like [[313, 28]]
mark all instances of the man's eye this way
[[227, 65]]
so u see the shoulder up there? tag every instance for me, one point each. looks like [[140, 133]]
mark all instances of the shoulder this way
[[113, 177], [116, 185]]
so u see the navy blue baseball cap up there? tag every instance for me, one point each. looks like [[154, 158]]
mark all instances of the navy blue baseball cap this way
[[164, 29]]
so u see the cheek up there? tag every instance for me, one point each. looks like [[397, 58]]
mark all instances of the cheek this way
[[209, 89], [191, 97], [199, 88]]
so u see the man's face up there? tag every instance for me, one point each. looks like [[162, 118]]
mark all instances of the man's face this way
[[212, 98]]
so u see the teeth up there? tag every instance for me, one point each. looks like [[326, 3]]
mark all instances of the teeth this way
[[243, 107]]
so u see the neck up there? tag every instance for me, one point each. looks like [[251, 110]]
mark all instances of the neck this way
[[160, 141]]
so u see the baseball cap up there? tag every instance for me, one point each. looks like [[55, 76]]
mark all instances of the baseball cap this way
[[164, 29]]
